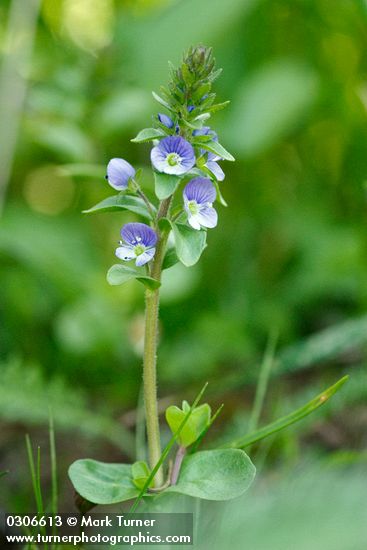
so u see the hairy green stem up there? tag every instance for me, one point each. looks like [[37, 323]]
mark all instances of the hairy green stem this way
[[150, 351]]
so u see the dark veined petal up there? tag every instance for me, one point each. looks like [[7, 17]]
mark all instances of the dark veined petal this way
[[119, 171], [139, 233], [201, 190], [169, 145]]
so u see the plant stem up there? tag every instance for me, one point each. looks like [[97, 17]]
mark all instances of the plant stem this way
[[150, 351], [181, 452]]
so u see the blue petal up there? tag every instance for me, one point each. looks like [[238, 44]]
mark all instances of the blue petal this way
[[200, 190], [166, 120], [145, 257], [173, 144], [215, 169], [139, 233], [119, 171]]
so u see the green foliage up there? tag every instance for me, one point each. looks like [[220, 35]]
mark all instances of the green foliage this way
[[102, 483], [140, 473], [218, 149], [25, 396], [290, 419], [165, 185], [119, 274], [118, 203], [148, 134], [189, 243], [324, 346], [215, 475], [195, 426]]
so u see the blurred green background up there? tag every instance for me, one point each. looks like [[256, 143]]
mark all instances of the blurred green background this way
[[289, 255]]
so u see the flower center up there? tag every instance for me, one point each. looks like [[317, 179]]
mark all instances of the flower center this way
[[173, 159], [193, 207], [139, 249]]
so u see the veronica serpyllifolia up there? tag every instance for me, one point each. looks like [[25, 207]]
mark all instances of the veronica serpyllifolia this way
[[119, 171], [199, 195], [139, 243], [173, 155], [211, 158]]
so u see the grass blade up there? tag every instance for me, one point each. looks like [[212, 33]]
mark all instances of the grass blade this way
[[287, 420], [34, 476], [4, 473], [263, 381], [54, 488], [166, 450]]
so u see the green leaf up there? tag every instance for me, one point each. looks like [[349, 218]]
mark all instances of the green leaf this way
[[170, 258], [198, 140], [148, 134], [187, 74], [286, 421], [119, 274], [140, 473], [162, 101], [190, 243], [4, 473], [102, 483], [202, 90], [218, 107], [165, 185], [215, 475], [167, 448], [218, 149], [121, 202], [193, 124], [198, 421]]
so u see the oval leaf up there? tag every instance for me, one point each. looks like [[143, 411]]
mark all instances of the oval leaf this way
[[119, 274], [218, 149], [165, 185], [121, 202], [102, 483], [170, 259], [194, 427], [215, 475], [190, 243], [148, 134]]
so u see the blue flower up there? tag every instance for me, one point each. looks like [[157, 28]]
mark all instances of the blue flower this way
[[173, 155], [212, 158], [139, 245], [199, 195], [166, 120], [190, 108], [119, 171]]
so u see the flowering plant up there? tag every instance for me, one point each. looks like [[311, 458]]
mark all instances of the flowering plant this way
[[185, 160]]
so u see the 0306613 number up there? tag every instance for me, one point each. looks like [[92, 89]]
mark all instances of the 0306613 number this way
[[33, 521]]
